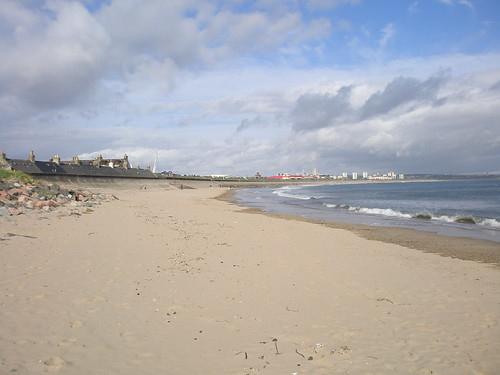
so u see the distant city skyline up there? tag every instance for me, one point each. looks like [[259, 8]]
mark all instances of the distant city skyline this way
[[236, 87]]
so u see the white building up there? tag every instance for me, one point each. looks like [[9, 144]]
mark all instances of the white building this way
[[365, 175], [354, 175], [344, 174], [401, 176]]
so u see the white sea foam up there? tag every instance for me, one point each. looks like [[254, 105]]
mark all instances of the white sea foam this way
[[281, 193], [384, 212], [490, 223], [447, 219], [330, 205], [370, 211], [285, 192]]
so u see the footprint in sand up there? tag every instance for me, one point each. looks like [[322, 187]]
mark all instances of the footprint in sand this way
[[76, 324], [68, 342], [54, 364]]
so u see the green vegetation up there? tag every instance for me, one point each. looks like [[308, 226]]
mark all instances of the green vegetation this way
[[16, 175]]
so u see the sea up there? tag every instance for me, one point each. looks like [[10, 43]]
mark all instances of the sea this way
[[462, 208]]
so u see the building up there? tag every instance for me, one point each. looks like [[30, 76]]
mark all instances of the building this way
[[287, 176], [98, 167], [365, 175], [354, 175], [344, 175]]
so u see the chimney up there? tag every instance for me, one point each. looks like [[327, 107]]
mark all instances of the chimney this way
[[125, 163]]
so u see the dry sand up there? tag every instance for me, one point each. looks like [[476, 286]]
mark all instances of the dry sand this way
[[175, 282]]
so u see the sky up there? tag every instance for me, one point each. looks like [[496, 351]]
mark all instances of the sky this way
[[239, 87]]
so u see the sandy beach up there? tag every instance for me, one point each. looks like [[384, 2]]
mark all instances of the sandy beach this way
[[170, 281]]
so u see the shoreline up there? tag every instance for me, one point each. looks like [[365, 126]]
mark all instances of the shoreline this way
[[463, 248]]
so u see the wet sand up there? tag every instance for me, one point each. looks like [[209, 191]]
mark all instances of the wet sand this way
[[454, 247]]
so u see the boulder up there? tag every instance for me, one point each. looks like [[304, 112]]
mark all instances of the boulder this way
[[15, 192], [23, 198], [14, 211], [52, 203], [40, 204]]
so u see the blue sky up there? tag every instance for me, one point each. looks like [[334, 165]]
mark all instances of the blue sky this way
[[236, 87]]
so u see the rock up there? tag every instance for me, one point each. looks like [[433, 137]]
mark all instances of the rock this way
[[81, 198], [40, 204], [23, 198], [17, 196], [7, 203], [423, 216], [54, 187], [15, 192], [465, 220], [14, 211], [52, 203]]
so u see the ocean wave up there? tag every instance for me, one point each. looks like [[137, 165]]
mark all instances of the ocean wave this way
[[289, 187], [388, 212], [490, 223], [370, 211], [283, 194], [445, 218], [456, 219], [384, 212]]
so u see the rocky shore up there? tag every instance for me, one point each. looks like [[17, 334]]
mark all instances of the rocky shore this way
[[18, 197]]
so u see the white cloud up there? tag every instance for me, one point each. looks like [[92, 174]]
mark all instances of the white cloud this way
[[466, 3], [388, 32], [52, 60], [212, 89], [330, 4]]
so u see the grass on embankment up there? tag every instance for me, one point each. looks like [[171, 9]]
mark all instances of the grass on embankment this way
[[7, 175]]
